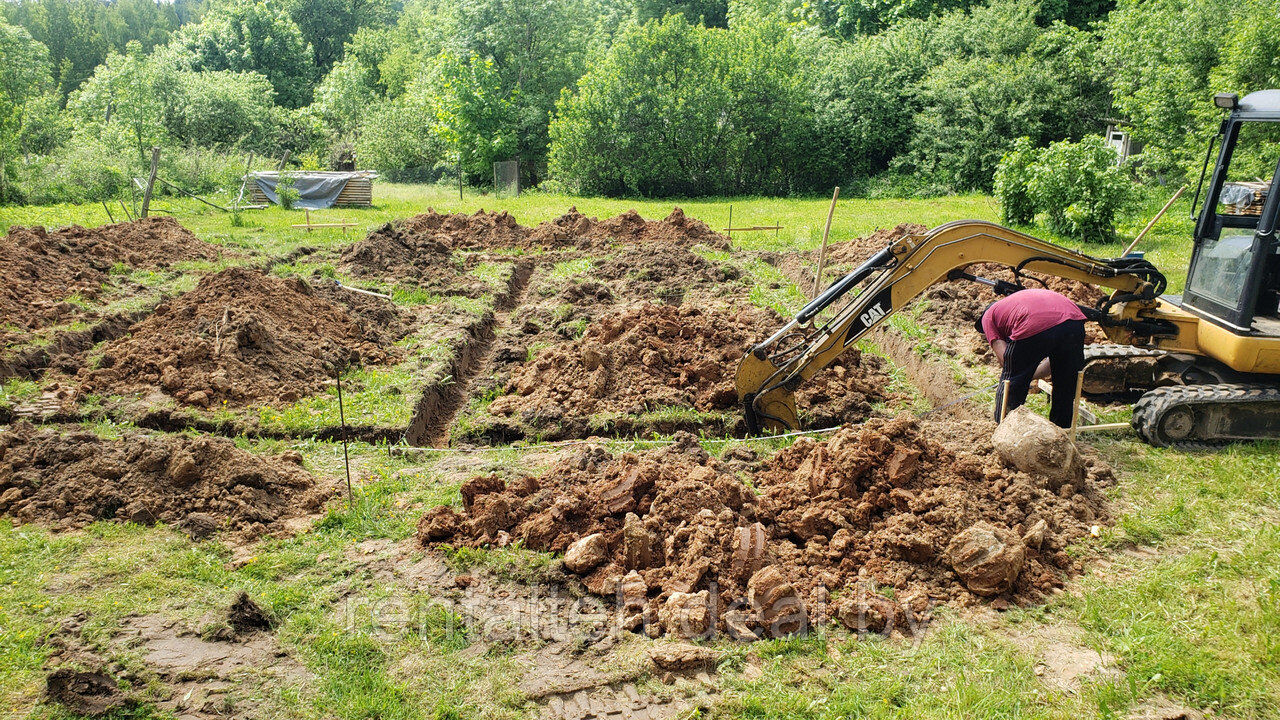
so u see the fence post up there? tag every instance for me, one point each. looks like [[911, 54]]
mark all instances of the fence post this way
[[151, 181]]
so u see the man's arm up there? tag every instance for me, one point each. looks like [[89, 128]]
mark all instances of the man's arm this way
[[999, 347]]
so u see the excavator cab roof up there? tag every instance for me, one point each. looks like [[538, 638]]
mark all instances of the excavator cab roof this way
[[1260, 105]]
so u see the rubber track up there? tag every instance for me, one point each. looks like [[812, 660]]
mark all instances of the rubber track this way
[[1153, 406]]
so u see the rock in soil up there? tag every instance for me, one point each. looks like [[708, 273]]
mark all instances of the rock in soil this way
[[987, 558], [73, 478], [244, 338], [870, 508], [586, 554], [778, 606], [92, 694], [1031, 443], [683, 657]]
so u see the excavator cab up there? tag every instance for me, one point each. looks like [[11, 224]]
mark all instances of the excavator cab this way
[[1234, 277]]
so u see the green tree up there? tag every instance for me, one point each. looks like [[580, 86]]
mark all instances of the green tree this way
[[345, 94], [249, 36], [24, 78], [473, 116], [679, 109], [712, 13], [1159, 54], [328, 25], [224, 110], [124, 103], [81, 33], [997, 76]]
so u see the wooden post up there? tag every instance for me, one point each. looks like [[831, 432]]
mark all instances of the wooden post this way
[[1004, 400], [1075, 407], [151, 181], [730, 228], [1151, 224], [283, 159], [308, 212], [822, 255], [104, 207], [127, 214]]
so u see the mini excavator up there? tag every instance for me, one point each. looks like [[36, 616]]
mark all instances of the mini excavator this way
[[1204, 365]]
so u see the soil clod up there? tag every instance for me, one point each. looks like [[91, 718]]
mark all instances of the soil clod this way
[[88, 693], [245, 615], [75, 478]]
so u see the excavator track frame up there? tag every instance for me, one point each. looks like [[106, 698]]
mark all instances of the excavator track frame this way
[[1206, 416]]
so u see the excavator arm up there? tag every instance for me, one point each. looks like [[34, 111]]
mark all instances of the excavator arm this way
[[770, 372]]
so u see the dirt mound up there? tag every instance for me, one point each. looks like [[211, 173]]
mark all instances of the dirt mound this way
[[667, 273], [394, 251], [241, 337], [870, 508], [40, 270], [460, 231], [853, 252], [76, 478], [650, 357], [573, 229]]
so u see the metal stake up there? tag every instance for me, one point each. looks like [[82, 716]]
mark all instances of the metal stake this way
[[342, 418]]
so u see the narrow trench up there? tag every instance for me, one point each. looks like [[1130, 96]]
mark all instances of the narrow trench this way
[[441, 402]]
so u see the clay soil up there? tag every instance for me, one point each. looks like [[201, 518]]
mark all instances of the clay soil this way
[[202, 484], [869, 508], [649, 357], [242, 337], [488, 230], [397, 253], [41, 269]]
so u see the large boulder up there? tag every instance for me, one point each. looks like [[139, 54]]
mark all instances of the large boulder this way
[[1034, 445], [987, 558]]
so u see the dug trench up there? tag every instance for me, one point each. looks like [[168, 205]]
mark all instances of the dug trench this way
[[441, 401]]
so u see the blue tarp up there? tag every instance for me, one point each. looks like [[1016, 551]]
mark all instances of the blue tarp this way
[[316, 190]]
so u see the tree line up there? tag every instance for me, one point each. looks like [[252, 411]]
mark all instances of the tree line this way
[[647, 97]]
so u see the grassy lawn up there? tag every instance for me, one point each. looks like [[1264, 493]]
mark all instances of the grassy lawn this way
[[1182, 591]]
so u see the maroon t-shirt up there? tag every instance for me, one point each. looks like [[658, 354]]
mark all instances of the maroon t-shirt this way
[[1026, 313]]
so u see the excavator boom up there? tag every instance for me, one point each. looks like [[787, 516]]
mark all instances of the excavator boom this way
[[888, 281]]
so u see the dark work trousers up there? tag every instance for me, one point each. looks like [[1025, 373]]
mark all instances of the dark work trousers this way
[[1063, 345]]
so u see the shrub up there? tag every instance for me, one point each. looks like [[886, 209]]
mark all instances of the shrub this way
[[1012, 177], [1076, 186]]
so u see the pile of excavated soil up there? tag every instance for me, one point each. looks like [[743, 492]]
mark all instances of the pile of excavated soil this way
[[244, 337], [460, 231], [397, 252], [555, 309], [203, 484], [573, 229], [823, 528], [486, 230], [667, 273], [649, 357], [41, 269]]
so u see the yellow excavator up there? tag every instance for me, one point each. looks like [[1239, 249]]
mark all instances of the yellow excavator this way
[[1210, 358]]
